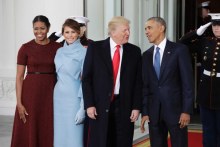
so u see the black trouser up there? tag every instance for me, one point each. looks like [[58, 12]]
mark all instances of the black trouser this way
[[114, 130], [159, 133]]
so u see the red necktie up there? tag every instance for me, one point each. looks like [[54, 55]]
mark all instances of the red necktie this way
[[115, 63]]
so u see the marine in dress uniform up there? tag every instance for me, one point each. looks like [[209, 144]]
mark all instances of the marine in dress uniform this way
[[203, 18], [209, 92]]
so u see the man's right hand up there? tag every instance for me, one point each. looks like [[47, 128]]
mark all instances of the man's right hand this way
[[143, 120], [91, 112]]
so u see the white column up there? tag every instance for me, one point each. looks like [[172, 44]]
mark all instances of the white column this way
[[171, 21], [147, 9], [162, 5], [95, 13], [131, 12], [7, 57], [109, 12]]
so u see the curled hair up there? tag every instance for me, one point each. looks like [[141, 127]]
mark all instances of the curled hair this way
[[160, 21], [43, 19], [115, 21], [72, 24]]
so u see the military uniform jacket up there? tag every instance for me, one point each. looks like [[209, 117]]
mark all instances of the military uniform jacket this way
[[209, 49]]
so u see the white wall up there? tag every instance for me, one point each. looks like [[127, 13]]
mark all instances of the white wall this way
[[16, 28], [7, 55]]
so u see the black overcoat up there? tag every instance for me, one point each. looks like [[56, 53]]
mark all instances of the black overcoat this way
[[97, 85]]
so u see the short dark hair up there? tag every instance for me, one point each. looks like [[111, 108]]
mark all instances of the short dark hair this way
[[160, 21], [72, 24], [43, 19]]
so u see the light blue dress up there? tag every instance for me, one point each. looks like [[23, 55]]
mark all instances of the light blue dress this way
[[68, 95]]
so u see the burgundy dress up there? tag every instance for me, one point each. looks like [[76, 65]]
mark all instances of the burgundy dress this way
[[37, 96]]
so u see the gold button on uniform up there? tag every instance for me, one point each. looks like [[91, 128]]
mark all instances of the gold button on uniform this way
[[212, 74]]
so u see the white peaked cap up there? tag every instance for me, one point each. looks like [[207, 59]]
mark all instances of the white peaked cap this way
[[80, 19], [205, 4], [215, 16]]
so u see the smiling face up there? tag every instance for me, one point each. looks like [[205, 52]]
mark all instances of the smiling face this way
[[154, 31], [40, 31], [70, 35]]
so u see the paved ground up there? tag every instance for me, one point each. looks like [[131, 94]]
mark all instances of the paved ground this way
[[6, 124]]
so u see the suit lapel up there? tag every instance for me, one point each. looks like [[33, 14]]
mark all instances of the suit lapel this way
[[124, 58], [151, 50], [106, 55], [166, 57]]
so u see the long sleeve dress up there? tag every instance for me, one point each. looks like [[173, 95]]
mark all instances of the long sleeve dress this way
[[68, 96]]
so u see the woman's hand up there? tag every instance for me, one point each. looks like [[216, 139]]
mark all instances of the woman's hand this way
[[22, 112]]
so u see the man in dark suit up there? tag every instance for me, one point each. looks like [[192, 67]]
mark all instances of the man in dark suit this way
[[168, 87], [112, 87]]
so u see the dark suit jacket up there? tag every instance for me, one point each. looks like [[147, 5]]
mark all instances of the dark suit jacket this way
[[97, 84], [173, 93]]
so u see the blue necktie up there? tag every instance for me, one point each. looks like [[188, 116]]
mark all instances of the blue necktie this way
[[157, 62]]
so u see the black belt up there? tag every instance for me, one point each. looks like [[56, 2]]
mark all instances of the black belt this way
[[40, 72]]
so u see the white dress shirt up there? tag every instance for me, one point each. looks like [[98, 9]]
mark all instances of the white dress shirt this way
[[162, 46]]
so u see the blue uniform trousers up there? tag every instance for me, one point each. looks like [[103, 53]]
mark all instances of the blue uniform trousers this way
[[211, 127]]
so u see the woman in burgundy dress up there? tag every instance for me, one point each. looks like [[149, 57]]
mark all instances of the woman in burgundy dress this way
[[33, 122]]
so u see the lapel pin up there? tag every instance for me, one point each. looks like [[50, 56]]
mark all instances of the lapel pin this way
[[168, 52]]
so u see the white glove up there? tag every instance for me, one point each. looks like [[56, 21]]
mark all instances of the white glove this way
[[80, 116], [58, 33], [202, 28]]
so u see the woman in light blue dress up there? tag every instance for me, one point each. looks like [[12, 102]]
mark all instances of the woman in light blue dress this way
[[68, 101]]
